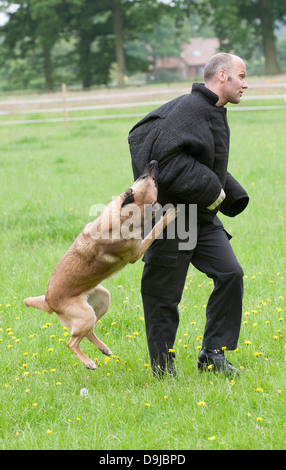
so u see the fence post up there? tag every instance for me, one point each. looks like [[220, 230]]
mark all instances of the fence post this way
[[64, 92]]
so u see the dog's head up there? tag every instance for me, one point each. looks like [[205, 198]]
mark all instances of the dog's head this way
[[143, 193], [145, 188]]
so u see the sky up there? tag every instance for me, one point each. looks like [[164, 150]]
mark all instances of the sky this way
[[3, 16]]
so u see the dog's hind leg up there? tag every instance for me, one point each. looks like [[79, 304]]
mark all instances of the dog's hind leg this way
[[79, 316], [99, 299]]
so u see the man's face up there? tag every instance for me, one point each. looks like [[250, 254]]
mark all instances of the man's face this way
[[236, 82]]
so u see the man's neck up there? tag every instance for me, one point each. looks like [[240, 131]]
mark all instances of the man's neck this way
[[216, 89]]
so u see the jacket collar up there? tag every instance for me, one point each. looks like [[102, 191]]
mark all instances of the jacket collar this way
[[206, 93]]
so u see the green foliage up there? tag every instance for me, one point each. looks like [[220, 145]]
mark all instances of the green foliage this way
[[84, 31], [243, 25]]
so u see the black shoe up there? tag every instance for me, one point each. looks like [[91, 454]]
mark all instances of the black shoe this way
[[215, 360]]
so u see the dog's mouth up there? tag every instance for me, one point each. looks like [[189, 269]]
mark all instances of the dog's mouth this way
[[151, 169]]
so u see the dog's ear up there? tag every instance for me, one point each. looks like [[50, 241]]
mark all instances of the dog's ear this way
[[128, 197]]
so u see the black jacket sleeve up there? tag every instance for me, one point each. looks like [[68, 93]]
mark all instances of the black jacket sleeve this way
[[236, 197], [182, 175]]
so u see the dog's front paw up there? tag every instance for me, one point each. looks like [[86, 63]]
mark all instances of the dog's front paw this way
[[106, 351]]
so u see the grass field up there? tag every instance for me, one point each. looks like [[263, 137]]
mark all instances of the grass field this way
[[50, 177]]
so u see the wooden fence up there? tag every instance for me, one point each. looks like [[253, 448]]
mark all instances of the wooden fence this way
[[64, 104]]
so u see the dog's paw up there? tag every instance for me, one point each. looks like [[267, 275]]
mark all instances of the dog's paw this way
[[106, 351], [90, 365]]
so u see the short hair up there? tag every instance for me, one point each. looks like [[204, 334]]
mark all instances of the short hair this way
[[220, 61]]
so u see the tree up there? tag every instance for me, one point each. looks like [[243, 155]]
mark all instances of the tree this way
[[245, 24], [35, 24], [99, 30], [131, 19]]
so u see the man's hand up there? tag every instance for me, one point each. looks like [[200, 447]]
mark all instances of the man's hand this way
[[218, 201]]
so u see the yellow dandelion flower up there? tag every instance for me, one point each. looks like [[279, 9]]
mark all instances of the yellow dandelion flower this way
[[201, 403], [211, 438], [259, 419], [147, 404], [49, 431], [259, 389]]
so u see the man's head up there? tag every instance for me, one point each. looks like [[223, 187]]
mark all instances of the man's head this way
[[225, 75]]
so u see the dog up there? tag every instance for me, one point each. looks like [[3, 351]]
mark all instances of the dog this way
[[104, 247]]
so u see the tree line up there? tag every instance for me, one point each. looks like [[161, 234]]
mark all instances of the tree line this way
[[81, 40]]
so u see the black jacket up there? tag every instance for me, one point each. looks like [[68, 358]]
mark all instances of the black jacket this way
[[189, 137]]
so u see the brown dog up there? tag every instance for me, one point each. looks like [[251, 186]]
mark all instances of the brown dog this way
[[104, 246]]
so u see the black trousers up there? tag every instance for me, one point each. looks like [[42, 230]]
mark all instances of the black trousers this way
[[162, 285]]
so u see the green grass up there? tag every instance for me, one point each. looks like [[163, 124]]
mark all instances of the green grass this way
[[50, 177]]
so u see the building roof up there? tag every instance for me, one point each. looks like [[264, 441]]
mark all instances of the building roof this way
[[199, 50]]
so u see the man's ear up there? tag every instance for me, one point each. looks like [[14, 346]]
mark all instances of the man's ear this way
[[222, 76], [128, 197]]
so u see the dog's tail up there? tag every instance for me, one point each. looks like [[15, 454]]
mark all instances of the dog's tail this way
[[38, 302]]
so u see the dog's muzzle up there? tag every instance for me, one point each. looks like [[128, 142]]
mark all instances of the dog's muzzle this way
[[152, 169]]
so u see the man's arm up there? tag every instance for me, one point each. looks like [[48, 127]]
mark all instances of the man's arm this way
[[183, 176]]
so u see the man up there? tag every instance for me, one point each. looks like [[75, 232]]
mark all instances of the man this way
[[189, 137]]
